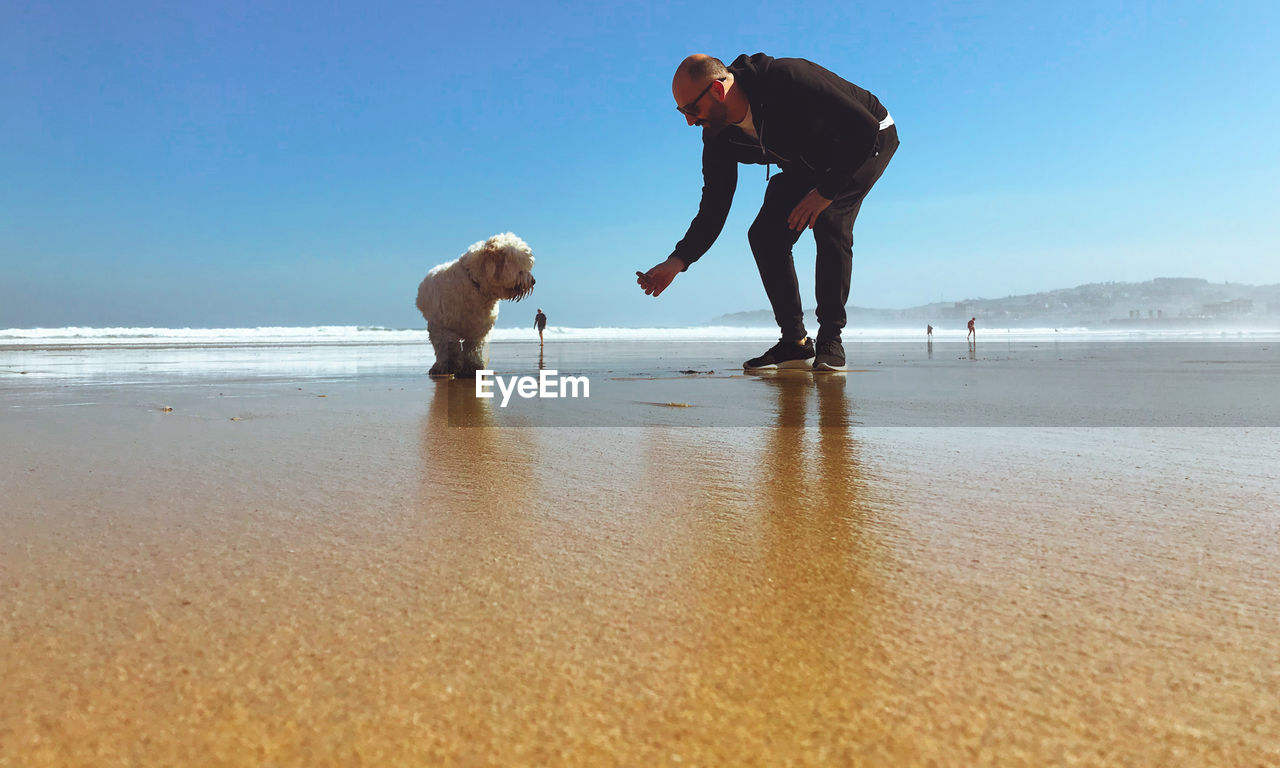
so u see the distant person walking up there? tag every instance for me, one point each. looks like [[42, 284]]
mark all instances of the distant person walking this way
[[929, 332], [540, 322], [973, 335]]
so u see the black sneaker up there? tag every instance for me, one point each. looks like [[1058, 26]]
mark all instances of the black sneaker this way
[[830, 356], [784, 354]]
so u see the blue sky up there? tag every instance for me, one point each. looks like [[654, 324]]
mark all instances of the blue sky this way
[[244, 164]]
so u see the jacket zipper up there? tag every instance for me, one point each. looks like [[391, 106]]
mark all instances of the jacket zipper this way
[[760, 141], [765, 153]]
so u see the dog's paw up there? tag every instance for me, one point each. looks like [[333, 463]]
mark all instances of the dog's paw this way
[[440, 371]]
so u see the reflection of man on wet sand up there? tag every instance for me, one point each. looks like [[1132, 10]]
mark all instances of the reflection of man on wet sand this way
[[808, 408]]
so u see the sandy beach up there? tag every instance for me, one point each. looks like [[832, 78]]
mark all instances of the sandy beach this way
[[1032, 554]]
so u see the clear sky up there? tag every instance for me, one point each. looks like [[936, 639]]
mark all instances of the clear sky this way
[[257, 163]]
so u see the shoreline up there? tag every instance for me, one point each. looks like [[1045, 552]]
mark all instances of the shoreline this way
[[998, 384], [14, 340]]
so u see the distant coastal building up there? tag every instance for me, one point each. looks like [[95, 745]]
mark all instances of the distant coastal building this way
[[1232, 308]]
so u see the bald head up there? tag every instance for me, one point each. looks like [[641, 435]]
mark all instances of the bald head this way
[[697, 70]]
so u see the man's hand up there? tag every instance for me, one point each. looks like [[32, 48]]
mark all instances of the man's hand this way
[[656, 280], [807, 211]]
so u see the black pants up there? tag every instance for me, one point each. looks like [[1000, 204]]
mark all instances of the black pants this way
[[771, 242]]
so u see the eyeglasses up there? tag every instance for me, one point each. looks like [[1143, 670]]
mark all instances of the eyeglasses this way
[[690, 109]]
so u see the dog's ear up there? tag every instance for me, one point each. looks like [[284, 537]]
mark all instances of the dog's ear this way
[[492, 261]]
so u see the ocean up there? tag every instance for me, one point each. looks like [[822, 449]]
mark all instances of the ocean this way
[[373, 335], [1009, 377]]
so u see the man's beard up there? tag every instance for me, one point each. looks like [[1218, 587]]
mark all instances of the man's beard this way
[[716, 120]]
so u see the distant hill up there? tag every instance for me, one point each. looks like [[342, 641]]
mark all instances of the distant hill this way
[[1162, 302]]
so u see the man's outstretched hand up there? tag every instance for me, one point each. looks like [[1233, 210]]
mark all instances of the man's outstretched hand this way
[[656, 280]]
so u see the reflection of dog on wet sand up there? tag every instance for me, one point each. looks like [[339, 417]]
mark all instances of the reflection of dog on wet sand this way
[[460, 301]]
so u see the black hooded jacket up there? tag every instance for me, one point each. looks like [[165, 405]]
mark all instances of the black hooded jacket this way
[[809, 120]]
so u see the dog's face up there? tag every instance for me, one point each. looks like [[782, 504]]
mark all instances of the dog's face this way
[[506, 266]]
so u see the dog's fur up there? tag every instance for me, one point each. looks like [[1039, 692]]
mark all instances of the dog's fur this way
[[460, 301]]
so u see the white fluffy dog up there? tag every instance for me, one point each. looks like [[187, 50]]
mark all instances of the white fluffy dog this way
[[460, 301]]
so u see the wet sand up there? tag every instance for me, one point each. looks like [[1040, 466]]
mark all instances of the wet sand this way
[[317, 564]]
